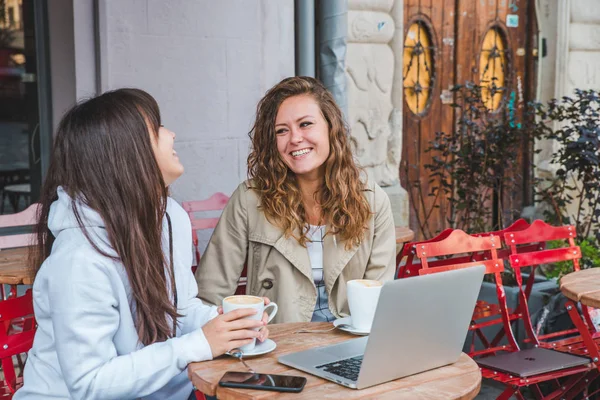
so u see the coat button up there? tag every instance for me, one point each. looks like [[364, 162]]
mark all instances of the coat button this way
[[267, 284]]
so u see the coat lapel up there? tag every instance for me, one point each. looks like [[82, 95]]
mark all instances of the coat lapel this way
[[335, 258], [288, 247]]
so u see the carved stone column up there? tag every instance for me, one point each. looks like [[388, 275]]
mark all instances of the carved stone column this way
[[374, 78]]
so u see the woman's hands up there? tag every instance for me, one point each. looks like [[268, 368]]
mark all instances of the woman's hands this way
[[231, 330], [234, 329], [264, 331]]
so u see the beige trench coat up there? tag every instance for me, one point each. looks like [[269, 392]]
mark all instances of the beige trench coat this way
[[279, 267]]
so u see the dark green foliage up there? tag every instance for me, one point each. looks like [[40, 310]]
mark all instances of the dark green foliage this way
[[474, 167]]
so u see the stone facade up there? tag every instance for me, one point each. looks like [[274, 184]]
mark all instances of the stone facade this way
[[374, 78], [572, 32]]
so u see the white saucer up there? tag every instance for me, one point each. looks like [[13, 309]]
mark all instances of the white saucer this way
[[345, 324], [261, 348]]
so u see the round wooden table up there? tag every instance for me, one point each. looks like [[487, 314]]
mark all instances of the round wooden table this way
[[582, 286], [460, 380], [15, 268], [404, 234]]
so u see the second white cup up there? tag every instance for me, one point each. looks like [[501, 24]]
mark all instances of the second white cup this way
[[363, 295], [243, 301]]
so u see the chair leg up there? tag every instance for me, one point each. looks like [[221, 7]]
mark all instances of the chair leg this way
[[585, 333], [587, 318], [508, 392]]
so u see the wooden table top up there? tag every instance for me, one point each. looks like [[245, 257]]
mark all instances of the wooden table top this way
[[404, 234], [14, 267], [461, 380], [582, 286]]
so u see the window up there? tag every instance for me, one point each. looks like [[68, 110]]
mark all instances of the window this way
[[418, 68], [493, 68]]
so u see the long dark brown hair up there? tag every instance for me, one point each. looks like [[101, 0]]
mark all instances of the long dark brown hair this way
[[102, 156], [341, 195]]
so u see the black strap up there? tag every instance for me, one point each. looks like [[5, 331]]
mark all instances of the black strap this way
[[172, 270]]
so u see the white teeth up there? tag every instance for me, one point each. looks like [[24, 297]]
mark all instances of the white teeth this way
[[300, 152]]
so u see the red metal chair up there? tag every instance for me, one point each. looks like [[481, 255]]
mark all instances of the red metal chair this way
[[483, 309], [462, 247], [459, 242], [14, 342], [411, 268], [540, 232], [216, 202]]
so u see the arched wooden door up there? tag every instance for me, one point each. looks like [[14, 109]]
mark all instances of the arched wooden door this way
[[449, 42]]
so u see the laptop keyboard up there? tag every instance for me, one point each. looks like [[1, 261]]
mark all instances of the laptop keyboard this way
[[348, 368]]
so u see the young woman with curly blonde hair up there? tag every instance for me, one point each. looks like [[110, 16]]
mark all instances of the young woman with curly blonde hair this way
[[305, 222]]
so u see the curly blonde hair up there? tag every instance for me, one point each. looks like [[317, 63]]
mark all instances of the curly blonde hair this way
[[343, 203]]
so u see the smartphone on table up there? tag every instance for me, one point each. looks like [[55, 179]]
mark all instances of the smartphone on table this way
[[249, 380]]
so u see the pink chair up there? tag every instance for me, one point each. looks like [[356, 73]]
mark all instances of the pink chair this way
[[27, 217], [216, 202]]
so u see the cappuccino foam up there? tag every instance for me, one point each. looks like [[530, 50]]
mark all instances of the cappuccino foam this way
[[368, 283], [243, 300]]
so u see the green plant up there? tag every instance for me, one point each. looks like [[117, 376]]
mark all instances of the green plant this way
[[572, 196], [590, 257], [474, 168]]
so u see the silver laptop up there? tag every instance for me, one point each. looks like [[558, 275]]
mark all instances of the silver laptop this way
[[420, 324]]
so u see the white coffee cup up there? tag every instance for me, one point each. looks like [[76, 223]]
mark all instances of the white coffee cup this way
[[243, 301], [363, 295]]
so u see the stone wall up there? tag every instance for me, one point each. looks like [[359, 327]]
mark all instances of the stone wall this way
[[374, 78], [583, 62], [572, 32]]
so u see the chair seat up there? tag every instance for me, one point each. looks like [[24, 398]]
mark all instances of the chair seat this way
[[572, 345]]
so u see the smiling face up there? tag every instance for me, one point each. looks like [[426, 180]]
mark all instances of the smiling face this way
[[166, 156], [302, 136]]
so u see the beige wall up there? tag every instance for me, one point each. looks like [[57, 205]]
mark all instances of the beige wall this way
[[572, 31]]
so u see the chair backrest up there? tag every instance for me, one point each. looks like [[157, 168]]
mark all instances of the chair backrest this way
[[26, 217], [409, 250], [411, 268], [538, 234], [12, 341], [460, 243], [214, 203]]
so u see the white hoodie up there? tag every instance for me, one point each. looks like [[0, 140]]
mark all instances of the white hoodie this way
[[86, 345]]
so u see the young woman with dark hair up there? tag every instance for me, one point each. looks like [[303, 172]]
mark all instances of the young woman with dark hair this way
[[306, 221], [115, 299]]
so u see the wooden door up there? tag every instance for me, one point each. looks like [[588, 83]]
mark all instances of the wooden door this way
[[449, 42]]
